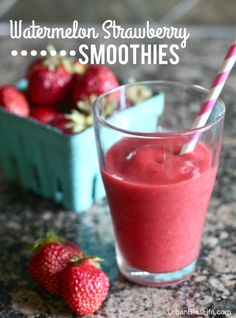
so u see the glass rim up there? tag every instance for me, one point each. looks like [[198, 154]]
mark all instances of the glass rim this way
[[177, 133]]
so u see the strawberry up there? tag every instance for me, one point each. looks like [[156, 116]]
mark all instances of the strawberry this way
[[50, 259], [60, 122], [72, 123], [44, 114], [14, 101], [84, 286], [96, 80], [50, 80]]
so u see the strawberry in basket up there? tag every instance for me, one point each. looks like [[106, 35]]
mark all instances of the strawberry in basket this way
[[95, 81], [44, 114], [14, 101], [50, 80], [72, 123]]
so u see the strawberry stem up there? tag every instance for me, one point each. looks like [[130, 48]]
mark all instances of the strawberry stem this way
[[94, 260], [74, 259], [50, 48], [50, 237]]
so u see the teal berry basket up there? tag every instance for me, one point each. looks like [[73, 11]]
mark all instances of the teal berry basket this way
[[63, 168]]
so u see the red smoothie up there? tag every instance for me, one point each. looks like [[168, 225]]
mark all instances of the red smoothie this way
[[158, 201]]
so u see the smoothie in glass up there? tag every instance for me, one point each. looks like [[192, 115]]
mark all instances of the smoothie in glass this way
[[158, 201]]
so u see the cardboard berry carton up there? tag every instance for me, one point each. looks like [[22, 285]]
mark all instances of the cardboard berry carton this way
[[61, 167]]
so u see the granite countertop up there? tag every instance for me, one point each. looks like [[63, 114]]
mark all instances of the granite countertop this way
[[24, 216]]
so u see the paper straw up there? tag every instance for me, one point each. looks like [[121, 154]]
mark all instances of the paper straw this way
[[212, 97]]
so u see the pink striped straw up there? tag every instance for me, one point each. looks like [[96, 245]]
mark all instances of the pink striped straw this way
[[212, 97]]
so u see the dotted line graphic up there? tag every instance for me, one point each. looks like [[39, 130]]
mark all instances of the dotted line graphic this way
[[43, 53]]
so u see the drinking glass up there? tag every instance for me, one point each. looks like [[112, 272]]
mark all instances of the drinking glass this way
[[158, 196]]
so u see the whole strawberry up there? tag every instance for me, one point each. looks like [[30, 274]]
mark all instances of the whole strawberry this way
[[84, 286], [62, 123], [50, 259], [44, 114], [50, 80], [14, 101], [72, 123], [95, 81]]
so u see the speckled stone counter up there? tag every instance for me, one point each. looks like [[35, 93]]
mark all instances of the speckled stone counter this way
[[24, 216]]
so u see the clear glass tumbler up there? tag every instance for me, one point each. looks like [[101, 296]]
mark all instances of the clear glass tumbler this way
[[158, 197]]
